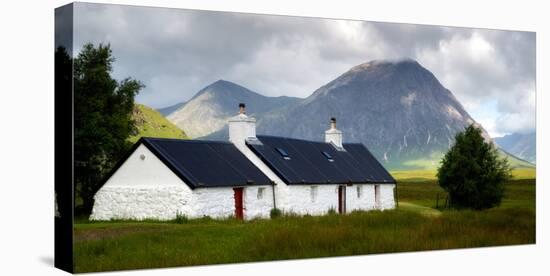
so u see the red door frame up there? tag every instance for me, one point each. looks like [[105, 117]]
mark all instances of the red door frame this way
[[239, 208], [342, 199]]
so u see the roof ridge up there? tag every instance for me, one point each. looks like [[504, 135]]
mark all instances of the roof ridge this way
[[290, 138], [186, 140]]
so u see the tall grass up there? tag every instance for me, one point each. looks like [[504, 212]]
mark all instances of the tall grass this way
[[148, 245], [414, 226]]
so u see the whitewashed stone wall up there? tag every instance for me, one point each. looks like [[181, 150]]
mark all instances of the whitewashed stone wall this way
[[146, 188], [327, 197], [142, 188], [126, 202], [365, 201], [387, 199], [258, 207], [220, 202], [214, 202], [302, 201]]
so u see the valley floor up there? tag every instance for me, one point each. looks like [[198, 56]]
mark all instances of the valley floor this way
[[415, 225]]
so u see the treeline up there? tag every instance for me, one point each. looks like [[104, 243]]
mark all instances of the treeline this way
[[102, 118]]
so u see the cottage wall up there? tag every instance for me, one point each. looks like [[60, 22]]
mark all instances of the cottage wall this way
[[214, 202], [307, 201], [258, 205], [312, 199], [220, 202], [143, 188], [146, 188], [362, 200], [387, 199]]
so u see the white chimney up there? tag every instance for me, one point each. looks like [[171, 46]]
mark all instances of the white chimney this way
[[241, 127], [333, 135]]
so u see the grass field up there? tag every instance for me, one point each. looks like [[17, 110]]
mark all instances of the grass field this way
[[424, 175], [414, 226]]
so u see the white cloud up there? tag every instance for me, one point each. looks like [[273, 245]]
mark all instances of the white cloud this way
[[477, 71], [178, 52]]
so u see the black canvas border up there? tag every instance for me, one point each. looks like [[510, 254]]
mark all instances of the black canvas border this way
[[64, 142]]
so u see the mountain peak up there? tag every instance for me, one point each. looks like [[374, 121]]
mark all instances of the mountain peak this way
[[207, 112], [221, 83], [378, 63], [222, 87]]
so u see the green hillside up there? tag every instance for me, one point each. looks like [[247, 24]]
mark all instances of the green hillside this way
[[150, 123]]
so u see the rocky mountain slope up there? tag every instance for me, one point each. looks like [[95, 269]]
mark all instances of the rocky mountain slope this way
[[399, 109], [520, 145], [207, 112], [165, 111]]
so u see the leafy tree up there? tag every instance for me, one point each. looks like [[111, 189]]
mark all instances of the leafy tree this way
[[472, 172], [102, 118]]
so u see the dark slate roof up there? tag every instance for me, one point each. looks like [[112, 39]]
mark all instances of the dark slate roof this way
[[308, 162], [206, 163]]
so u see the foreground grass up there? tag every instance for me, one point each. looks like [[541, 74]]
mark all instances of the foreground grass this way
[[413, 226], [101, 247]]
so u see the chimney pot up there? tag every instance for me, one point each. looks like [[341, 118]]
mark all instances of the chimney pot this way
[[333, 135], [241, 127], [333, 123]]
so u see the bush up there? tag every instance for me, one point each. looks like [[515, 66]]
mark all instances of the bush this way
[[275, 213], [181, 218], [331, 211], [472, 172]]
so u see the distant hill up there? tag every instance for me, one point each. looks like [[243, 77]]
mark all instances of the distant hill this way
[[165, 111], [520, 145], [150, 123], [208, 111]]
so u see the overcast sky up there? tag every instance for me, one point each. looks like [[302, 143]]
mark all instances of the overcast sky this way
[[177, 52]]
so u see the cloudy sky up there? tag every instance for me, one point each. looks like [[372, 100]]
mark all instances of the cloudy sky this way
[[177, 52]]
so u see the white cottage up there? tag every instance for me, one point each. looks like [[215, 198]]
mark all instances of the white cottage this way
[[245, 177]]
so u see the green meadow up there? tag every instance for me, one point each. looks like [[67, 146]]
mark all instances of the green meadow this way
[[415, 225]]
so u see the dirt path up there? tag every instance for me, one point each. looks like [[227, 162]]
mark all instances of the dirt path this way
[[423, 210]]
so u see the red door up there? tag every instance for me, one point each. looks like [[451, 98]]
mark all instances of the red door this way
[[342, 199], [238, 202]]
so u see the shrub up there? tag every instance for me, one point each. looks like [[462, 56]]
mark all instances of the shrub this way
[[331, 211], [181, 218], [472, 172], [275, 213]]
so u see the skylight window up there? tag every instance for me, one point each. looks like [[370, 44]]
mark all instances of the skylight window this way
[[283, 153], [328, 156]]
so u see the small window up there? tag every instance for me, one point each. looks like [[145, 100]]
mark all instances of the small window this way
[[359, 191], [283, 153], [328, 156], [261, 192], [313, 193]]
